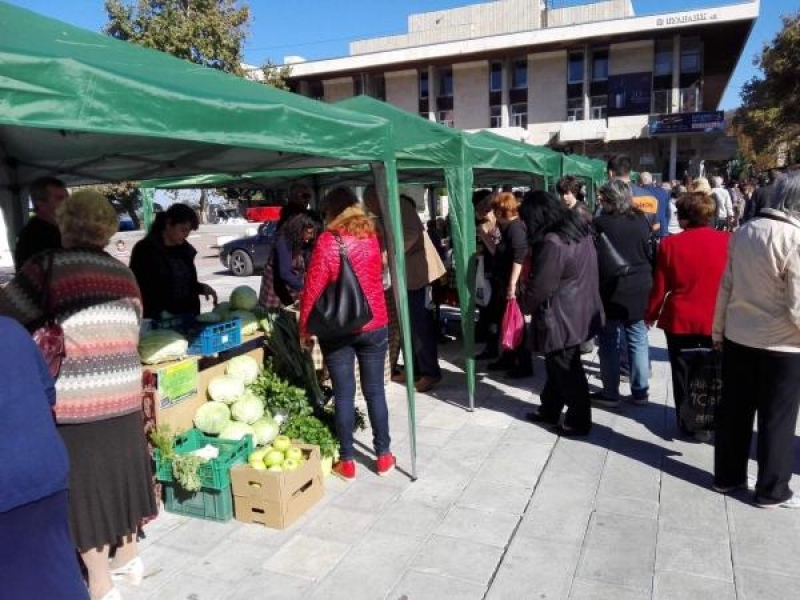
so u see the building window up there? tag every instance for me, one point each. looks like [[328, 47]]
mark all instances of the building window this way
[[519, 115], [662, 59], [377, 85], [495, 117], [691, 56], [316, 90], [691, 99], [445, 117], [423, 85], [574, 109], [662, 101], [600, 65], [575, 67], [358, 84], [496, 77], [519, 75], [598, 107], [445, 81]]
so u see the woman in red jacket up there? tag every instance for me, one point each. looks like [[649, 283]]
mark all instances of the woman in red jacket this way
[[688, 274], [346, 219]]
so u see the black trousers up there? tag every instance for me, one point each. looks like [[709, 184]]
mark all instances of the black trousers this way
[[680, 372], [566, 386], [763, 384]]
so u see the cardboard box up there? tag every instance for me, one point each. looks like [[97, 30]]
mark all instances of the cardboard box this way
[[277, 499]]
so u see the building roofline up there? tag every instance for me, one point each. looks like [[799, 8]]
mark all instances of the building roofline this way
[[663, 22]]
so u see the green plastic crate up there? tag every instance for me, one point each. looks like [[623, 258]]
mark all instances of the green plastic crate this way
[[211, 505], [214, 474]]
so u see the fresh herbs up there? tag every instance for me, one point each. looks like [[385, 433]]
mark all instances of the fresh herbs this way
[[279, 396], [185, 470], [163, 439], [311, 430], [291, 360]]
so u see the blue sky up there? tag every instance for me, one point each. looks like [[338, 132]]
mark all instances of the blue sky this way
[[322, 28]]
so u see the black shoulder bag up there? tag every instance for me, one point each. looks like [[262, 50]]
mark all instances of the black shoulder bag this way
[[342, 308], [610, 263]]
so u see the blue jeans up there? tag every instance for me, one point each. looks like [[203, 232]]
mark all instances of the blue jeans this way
[[369, 348], [638, 357]]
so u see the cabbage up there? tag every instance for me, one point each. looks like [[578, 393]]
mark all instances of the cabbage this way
[[265, 430], [249, 321], [224, 388], [247, 409], [212, 417], [161, 345], [244, 297], [235, 431], [243, 367]]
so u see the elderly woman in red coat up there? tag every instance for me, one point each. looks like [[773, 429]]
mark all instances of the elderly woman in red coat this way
[[687, 276]]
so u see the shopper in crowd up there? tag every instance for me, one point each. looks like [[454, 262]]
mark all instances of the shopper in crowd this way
[[285, 273], [510, 253], [487, 237], [685, 284], [624, 296], [347, 221], [37, 556], [41, 232], [298, 201], [646, 200], [163, 262], [757, 324], [569, 189], [762, 196], [648, 184], [747, 187], [98, 408], [562, 295], [678, 190], [701, 185], [722, 198]]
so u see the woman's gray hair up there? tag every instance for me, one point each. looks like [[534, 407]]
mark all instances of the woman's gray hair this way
[[618, 196], [786, 196]]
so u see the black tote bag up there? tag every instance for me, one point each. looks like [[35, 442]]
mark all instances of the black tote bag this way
[[342, 308], [610, 263]]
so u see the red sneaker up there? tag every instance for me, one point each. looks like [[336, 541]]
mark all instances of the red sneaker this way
[[346, 469], [385, 463]]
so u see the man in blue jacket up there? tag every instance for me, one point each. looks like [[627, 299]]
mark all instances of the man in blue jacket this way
[[652, 201]]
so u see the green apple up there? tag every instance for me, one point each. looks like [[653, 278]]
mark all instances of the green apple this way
[[257, 455], [294, 453], [290, 464], [275, 469], [258, 465], [281, 443], [274, 457]]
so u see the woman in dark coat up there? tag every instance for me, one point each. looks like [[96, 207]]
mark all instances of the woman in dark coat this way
[[563, 298], [163, 263], [624, 296]]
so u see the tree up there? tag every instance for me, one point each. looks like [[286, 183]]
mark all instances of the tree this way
[[206, 32], [276, 76], [125, 197], [770, 113]]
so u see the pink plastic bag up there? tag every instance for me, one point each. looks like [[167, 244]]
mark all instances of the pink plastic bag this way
[[512, 329]]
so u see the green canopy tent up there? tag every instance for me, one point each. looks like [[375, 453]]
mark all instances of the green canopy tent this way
[[427, 154], [87, 108], [545, 162], [592, 170]]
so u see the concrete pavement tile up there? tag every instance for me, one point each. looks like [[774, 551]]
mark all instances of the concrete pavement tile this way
[[687, 554], [371, 568], [619, 550], [564, 524], [515, 464], [250, 533], [494, 496], [688, 508], [587, 589], [199, 537], [416, 585], [161, 563], [366, 496], [192, 588], [163, 525], [441, 483], [683, 586], [624, 505], [765, 539], [493, 528], [446, 416], [466, 560], [522, 431], [534, 568], [755, 584], [340, 524], [271, 586], [411, 518], [433, 436], [307, 557], [491, 417], [231, 560]]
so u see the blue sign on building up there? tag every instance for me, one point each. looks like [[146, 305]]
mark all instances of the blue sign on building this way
[[696, 122]]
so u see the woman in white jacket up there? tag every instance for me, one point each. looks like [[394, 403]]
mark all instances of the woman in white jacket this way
[[757, 324]]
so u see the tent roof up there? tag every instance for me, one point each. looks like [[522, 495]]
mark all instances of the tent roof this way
[[543, 161], [90, 108], [583, 166]]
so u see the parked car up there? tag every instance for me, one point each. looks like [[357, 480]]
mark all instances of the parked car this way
[[249, 255]]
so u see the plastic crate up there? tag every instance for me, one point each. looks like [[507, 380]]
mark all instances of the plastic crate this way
[[214, 474], [213, 338], [211, 505]]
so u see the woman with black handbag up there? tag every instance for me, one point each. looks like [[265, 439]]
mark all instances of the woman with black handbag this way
[[344, 306]]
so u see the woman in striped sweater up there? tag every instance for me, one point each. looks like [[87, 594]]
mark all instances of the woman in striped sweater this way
[[96, 300]]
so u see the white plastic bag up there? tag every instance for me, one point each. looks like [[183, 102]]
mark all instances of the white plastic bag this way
[[483, 287]]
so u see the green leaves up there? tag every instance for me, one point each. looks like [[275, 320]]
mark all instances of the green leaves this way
[[312, 431]]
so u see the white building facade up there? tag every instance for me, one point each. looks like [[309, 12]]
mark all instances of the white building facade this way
[[590, 78]]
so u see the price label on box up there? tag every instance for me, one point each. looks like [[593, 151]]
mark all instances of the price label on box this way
[[177, 382]]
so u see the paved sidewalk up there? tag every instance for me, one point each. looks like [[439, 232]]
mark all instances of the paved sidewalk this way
[[502, 509]]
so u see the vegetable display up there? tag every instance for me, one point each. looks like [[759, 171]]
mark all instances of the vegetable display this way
[[161, 345], [212, 417], [243, 367], [244, 297], [224, 388], [248, 320]]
